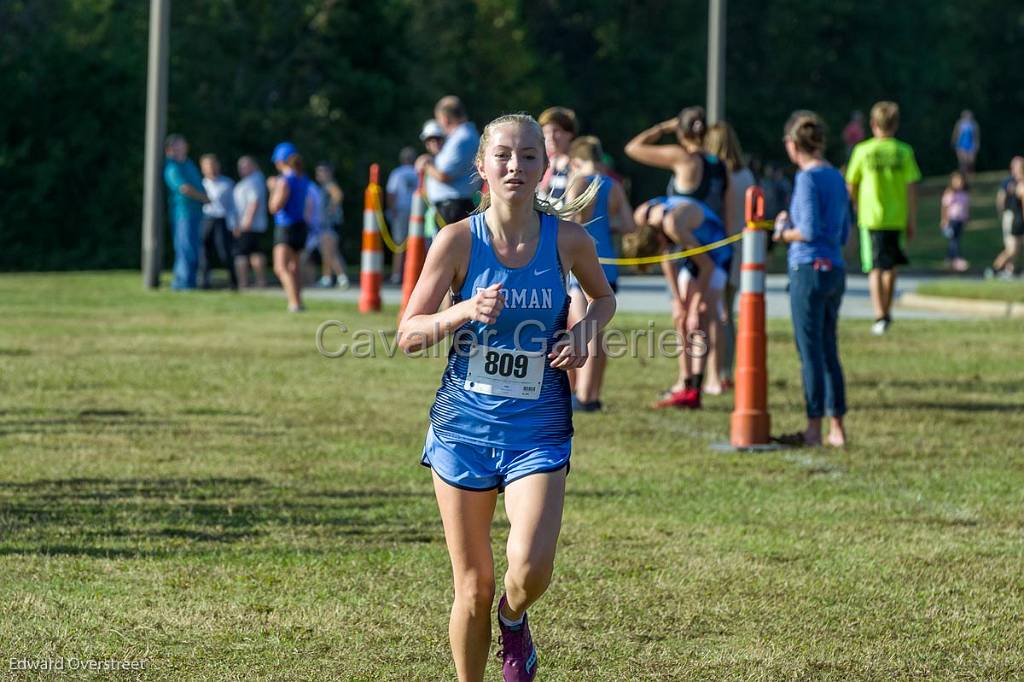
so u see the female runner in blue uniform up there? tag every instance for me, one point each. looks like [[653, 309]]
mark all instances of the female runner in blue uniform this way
[[696, 284], [288, 203], [610, 213], [502, 419]]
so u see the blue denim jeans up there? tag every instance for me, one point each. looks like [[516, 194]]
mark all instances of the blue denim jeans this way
[[186, 251], [814, 299]]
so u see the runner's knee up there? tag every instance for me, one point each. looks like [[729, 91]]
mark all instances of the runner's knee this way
[[530, 572], [474, 589]]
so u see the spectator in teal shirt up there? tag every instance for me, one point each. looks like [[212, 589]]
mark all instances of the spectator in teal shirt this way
[[185, 199]]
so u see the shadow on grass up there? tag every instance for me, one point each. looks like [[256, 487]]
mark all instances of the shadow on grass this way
[[947, 407], [972, 384], [120, 420], [154, 517]]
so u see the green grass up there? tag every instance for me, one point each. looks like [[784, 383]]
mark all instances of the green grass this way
[[185, 480], [992, 290]]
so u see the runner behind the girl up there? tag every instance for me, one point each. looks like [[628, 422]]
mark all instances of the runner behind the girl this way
[[502, 417], [609, 214]]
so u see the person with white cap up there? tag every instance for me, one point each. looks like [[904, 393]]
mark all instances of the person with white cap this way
[[433, 138]]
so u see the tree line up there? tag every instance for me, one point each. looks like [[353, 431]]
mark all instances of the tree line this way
[[351, 82]]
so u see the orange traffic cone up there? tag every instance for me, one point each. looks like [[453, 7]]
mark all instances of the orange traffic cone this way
[[372, 263], [751, 423], [416, 249]]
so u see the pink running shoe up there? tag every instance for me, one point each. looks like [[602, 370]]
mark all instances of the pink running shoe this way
[[517, 653]]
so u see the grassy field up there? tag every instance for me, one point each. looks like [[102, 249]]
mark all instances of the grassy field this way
[[186, 481], [994, 290]]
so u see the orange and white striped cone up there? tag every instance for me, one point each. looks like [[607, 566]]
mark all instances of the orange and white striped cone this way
[[416, 249], [751, 423], [372, 261]]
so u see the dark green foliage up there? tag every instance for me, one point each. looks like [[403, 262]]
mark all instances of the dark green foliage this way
[[351, 82]]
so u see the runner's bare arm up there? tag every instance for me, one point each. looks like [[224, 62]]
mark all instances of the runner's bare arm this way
[[620, 212], [279, 195], [644, 148], [422, 325]]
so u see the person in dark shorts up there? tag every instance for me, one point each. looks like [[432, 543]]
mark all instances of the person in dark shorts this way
[[1010, 203], [288, 194], [882, 179], [250, 198]]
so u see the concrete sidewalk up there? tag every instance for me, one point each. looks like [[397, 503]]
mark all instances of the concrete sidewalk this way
[[647, 294]]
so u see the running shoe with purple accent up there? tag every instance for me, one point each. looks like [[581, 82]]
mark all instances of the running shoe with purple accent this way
[[517, 653]]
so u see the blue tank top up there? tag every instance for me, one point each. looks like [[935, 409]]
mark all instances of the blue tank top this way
[[965, 140], [599, 227], [294, 210], [537, 305], [711, 230]]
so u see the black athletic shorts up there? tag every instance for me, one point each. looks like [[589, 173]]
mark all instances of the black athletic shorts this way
[[454, 210], [886, 252], [293, 235], [247, 243]]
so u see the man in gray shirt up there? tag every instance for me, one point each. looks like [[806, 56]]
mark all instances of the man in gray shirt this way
[[250, 198], [451, 179]]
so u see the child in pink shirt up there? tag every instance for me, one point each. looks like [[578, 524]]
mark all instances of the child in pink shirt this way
[[956, 209]]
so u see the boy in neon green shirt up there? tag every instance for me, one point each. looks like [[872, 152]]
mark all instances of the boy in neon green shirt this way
[[882, 177]]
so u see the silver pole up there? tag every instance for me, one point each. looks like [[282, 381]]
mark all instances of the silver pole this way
[[156, 125], [716, 60]]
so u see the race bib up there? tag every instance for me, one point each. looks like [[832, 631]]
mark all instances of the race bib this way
[[505, 372]]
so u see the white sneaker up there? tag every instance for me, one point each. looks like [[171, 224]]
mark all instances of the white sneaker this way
[[343, 283], [880, 327]]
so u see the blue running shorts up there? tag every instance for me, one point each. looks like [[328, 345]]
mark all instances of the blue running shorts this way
[[480, 467]]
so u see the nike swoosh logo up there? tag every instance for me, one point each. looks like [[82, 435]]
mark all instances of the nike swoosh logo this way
[[538, 273]]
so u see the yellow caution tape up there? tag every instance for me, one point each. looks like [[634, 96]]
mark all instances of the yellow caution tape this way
[[437, 216], [642, 260], [661, 258], [383, 224]]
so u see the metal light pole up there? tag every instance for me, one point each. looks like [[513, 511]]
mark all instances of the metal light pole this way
[[716, 60], [156, 125]]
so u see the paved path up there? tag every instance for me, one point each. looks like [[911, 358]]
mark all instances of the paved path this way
[[647, 294]]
